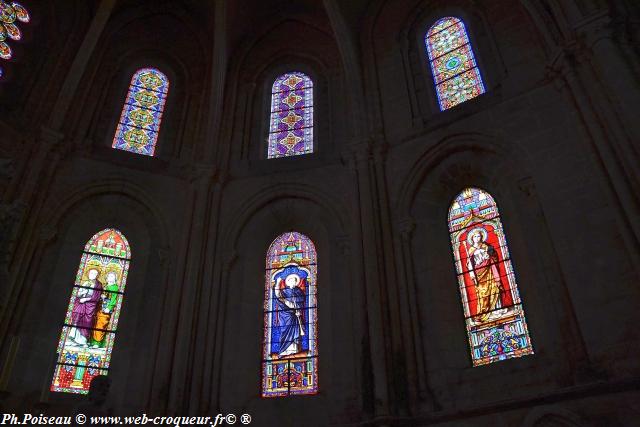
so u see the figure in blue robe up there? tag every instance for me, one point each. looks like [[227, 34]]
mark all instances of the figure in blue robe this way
[[289, 319]]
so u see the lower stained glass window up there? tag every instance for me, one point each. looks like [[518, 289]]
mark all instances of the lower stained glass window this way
[[290, 348], [89, 329], [494, 316], [140, 120]]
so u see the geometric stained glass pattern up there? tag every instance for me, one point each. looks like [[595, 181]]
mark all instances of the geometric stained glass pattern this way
[[142, 113], [494, 316], [455, 71], [290, 346], [291, 121], [88, 333], [10, 14]]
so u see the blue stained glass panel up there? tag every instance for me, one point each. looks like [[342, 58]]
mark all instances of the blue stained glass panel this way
[[141, 116], [453, 64]]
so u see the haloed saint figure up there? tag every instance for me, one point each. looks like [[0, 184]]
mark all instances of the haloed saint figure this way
[[84, 310], [289, 319], [483, 269], [494, 315], [290, 352]]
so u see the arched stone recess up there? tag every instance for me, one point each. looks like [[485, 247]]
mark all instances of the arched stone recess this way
[[137, 365], [426, 269], [293, 43], [399, 56], [237, 374], [180, 54]]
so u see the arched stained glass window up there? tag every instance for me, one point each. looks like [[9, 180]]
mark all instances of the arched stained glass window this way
[[11, 14], [89, 330], [455, 72], [142, 113], [495, 319], [290, 348], [291, 123]]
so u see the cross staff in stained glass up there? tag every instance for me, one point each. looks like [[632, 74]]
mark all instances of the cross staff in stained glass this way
[[109, 299]]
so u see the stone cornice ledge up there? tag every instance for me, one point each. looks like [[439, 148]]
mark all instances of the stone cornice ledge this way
[[564, 394]]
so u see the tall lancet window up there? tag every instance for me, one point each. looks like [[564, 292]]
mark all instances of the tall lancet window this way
[[455, 72], [11, 14], [494, 315], [89, 330], [290, 348], [291, 123], [142, 112]]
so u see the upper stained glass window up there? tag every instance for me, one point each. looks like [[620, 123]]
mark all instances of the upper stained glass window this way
[[290, 347], [89, 329], [10, 14], [142, 113], [494, 316], [291, 123], [455, 72]]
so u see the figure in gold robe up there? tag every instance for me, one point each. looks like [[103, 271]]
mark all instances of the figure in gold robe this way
[[103, 317], [483, 269]]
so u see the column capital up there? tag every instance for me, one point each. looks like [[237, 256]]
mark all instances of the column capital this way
[[344, 244], [406, 226], [229, 259], [527, 186], [356, 153], [49, 136], [201, 172]]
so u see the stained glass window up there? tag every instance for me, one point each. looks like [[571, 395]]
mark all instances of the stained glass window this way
[[291, 124], [290, 347], [494, 316], [11, 13], [455, 71], [89, 329], [142, 113]]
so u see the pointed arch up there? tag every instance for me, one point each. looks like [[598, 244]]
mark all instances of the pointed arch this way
[[88, 334], [141, 116], [493, 311], [290, 347], [11, 13], [291, 120], [456, 75]]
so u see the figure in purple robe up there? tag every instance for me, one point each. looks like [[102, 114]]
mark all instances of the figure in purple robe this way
[[85, 307]]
